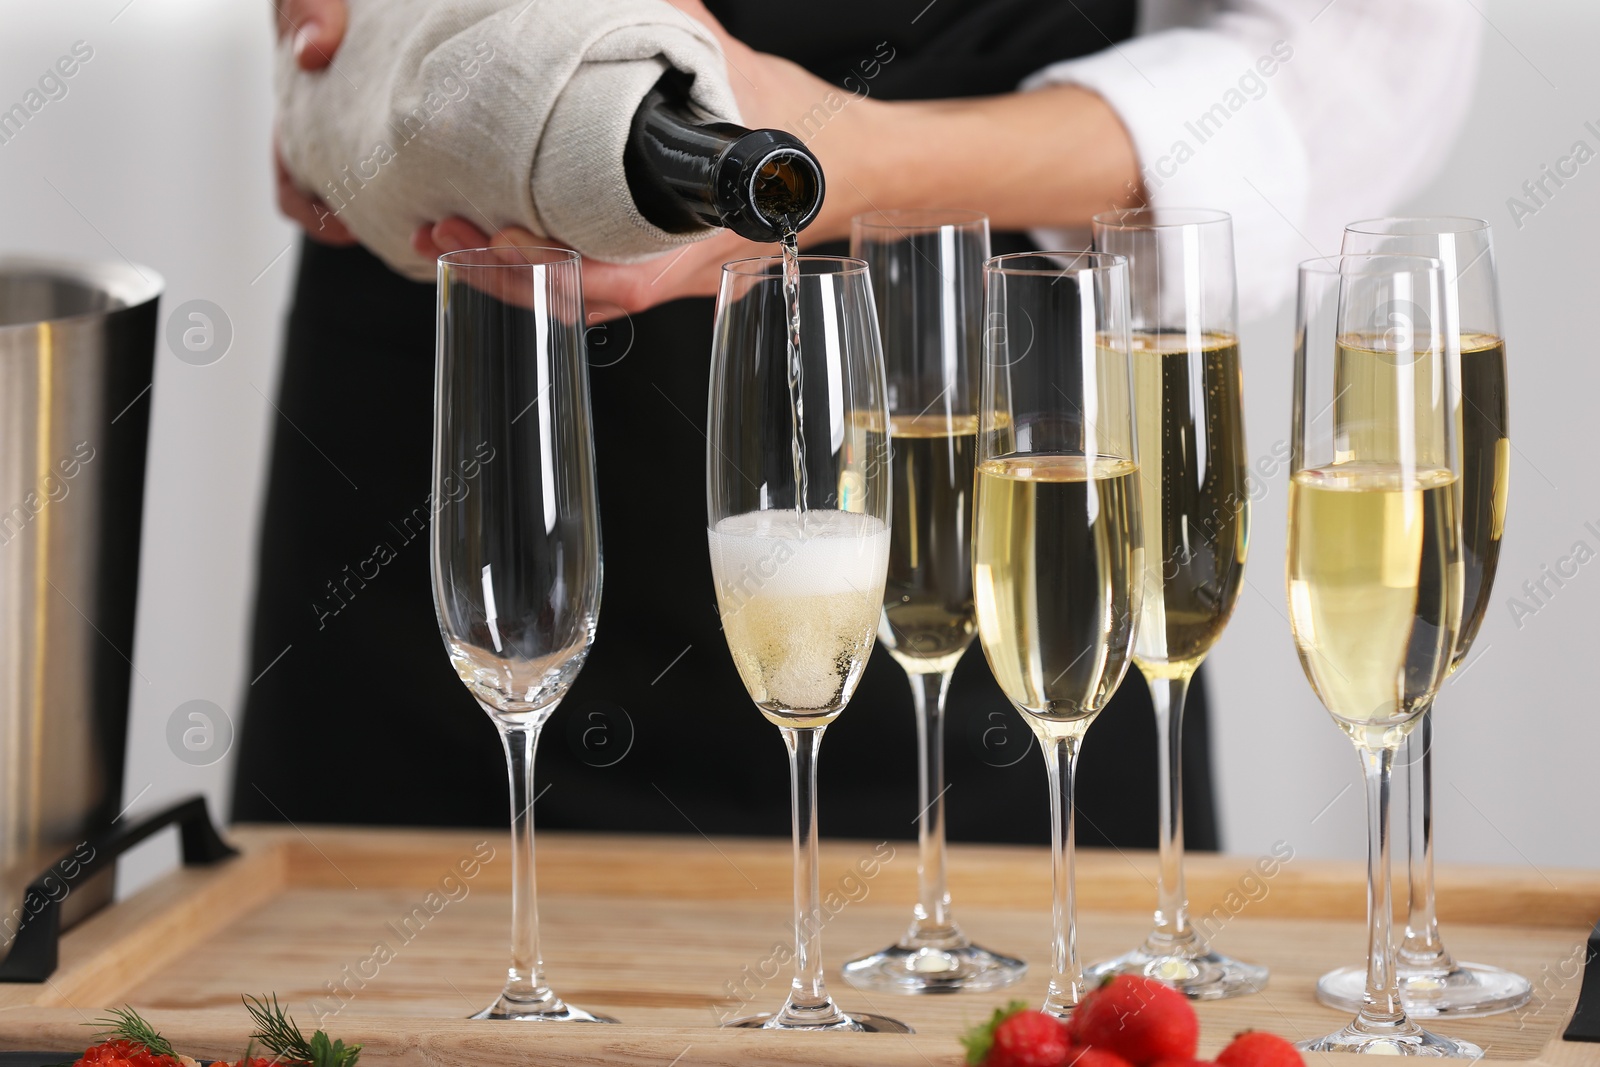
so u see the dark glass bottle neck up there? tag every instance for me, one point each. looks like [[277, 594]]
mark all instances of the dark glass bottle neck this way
[[685, 173]]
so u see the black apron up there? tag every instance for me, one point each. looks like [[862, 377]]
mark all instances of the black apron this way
[[355, 715]]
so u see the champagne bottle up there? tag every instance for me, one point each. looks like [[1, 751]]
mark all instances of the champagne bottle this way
[[686, 173]]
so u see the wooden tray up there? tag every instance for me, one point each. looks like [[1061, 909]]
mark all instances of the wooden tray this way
[[672, 934]]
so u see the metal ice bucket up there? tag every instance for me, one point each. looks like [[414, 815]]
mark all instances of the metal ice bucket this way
[[77, 345]]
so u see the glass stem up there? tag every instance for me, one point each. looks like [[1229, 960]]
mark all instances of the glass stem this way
[[1382, 1011], [1173, 934], [1066, 977], [1422, 950], [525, 985], [931, 923], [808, 1003]]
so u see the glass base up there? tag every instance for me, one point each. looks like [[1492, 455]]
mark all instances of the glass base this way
[[1468, 991], [1200, 975], [961, 967], [1408, 1039], [551, 1010], [857, 1022]]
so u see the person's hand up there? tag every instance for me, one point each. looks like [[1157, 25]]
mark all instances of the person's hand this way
[[454, 234], [318, 28], [610, 290], [840, 126], [771, 92], [310, 212], [693, 270]]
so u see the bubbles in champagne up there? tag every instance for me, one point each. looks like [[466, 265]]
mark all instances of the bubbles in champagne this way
[[800, 611]]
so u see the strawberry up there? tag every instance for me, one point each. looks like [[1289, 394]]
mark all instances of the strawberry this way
[[123, 1053], [1030, 1039], [1182, 1062], [1257, 1048], [1084, 1056], [1140, 1019], [1017, 1037]]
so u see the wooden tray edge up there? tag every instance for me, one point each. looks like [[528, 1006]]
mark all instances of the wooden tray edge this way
[[1111, 880]]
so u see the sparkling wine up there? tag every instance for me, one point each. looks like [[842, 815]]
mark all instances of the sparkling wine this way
[[799, 606], [1485, 473], [797, 408], [927, 607], [1195, 510], [1373, 403], [1056, 563], [1375, 579]]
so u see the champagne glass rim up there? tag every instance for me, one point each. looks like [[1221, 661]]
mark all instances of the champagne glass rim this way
[[495, 256], [1417, 225], [1079, 261], [1160, 218], [1371, 263], [761, 266], [918, 219]]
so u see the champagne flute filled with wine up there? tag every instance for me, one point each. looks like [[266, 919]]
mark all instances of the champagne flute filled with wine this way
[[927, 278], [1432, 981], [798, 507], [1058, 551], [1196, 516], [515, 543], [1374, 561]]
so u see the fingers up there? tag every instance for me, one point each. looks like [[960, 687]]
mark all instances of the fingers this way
[[694, 270], [598, 311], [517, 237], [312, 214], [454, 234], [422, 242], [316, 27], [611, 290]]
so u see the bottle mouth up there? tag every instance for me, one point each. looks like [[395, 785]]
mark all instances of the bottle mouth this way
[[768, 185], [786, 187]]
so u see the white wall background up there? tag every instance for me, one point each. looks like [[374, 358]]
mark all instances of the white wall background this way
[[159, 153], [1514, 729]]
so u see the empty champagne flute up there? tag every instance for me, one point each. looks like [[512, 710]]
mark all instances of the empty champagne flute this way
[[798, 487], [1432, 981], [1058, 552], [927, 279], [515, 543], [1193, 475], [1374, 557]]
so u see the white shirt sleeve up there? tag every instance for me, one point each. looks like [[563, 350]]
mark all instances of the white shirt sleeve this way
[[1295, 116]]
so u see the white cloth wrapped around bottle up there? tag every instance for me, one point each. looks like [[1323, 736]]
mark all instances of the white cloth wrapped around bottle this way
[[500, 111]]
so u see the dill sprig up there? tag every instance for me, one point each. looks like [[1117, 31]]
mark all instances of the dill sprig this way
[[279, 1034], [126, 1024]]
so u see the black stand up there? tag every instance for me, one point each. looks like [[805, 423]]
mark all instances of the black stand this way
[[34, 952], [1585, 1024]]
